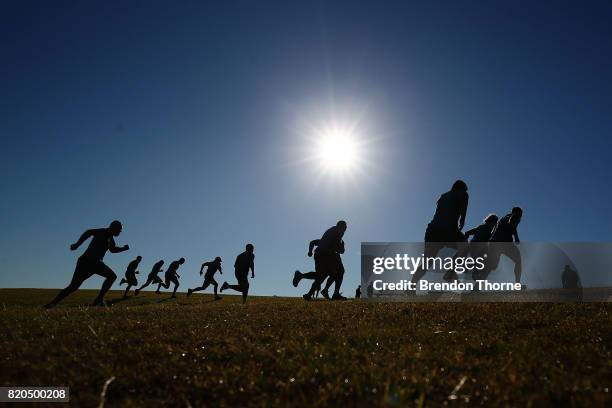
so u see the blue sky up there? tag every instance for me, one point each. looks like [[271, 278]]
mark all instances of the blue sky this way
[[187, 121]]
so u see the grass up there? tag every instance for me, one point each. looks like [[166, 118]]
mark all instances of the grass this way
[[284, 351]]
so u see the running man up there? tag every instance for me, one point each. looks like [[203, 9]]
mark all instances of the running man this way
[[503, 242], [326, 258], [244, 262], [90, 262], [444, 230], [335, 274], [479, 244], [130, 275], [171, 276], [153, 276], [209, 278]]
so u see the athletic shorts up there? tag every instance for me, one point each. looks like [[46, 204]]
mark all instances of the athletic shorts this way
[[242, 277], [171, 279], [326, 263], [131, 279], [86, 268], [154, 279], [209, 280]]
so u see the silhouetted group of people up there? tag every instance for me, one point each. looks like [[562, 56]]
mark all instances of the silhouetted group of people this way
[[102, 240], [445, 230]]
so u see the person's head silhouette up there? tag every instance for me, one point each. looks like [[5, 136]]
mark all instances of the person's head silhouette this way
[[491, 219], [182, 261], [139, 258], [517, 214], [218, 259], [115, 228], [250, 248], [459, 185], [341, 225]]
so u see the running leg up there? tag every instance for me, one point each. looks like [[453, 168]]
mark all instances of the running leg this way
[[78, 278], [109, 276]]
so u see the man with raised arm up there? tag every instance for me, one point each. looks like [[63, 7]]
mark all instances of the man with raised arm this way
[[90, 263]]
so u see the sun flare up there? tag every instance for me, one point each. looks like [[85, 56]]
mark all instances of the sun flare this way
[[337, 150]]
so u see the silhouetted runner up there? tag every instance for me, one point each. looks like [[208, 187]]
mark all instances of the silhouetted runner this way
[[326, 258], [479, 245], [504, 239], [171, 276], [444, 230], [209, 278], [244, 262], [130, 275], [336, 275], [90, 262], [358, 292], [153, 276]]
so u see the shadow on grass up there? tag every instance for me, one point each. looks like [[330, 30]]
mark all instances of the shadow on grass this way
[[167, 299], [119, 300]]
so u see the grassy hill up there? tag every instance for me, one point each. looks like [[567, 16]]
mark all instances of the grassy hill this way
[[284, 351]]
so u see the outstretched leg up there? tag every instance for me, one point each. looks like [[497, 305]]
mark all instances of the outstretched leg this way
[[78, 278], [110, 277], [242, 286], [147, 283], [165, 285], [298, 276], [199, 288], [237, 288]]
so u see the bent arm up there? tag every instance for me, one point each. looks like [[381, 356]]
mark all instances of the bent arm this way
[[114, 249], [84, 237], [313, 243], [470, 232]]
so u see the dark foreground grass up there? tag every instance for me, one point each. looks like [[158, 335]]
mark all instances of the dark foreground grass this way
[[279, 351]]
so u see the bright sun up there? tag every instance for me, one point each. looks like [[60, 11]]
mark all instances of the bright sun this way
[[337, 150]]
